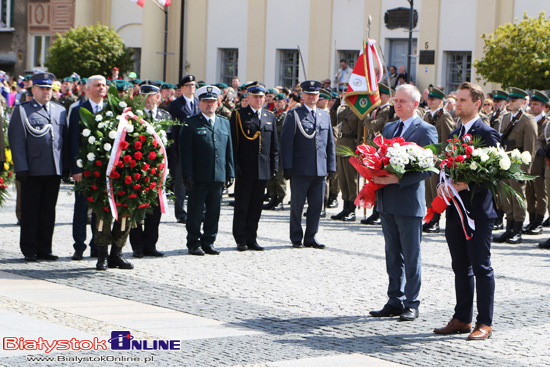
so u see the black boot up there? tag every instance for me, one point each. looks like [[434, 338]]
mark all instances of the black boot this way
[[102, 253], [546, 222], [530, 224], [343, 213], [499, 221], [279, 204], [536, 228], [116, 260], [374, 218], [545, 244], [270, 204], [433, 225], [506, 235], [332, 201], [351, 213], [515, 238]]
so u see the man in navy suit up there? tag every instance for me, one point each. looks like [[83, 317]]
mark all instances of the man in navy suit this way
[[308, 157], [182, 107], [472, 258], [401, 204]]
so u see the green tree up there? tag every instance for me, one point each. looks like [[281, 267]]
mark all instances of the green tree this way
[[517, 55], [89, 50]]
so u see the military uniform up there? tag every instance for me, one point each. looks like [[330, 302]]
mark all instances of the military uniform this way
[[66, 100], [223, 111], [276, 186]]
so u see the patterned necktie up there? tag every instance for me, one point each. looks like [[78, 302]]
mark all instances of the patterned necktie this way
[[399, 129], [313, 116], [462, 132]]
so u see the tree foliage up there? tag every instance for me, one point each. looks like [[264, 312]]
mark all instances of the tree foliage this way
[[89, 50], [517, 55]]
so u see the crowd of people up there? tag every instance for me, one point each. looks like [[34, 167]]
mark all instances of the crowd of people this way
[[260, 138]]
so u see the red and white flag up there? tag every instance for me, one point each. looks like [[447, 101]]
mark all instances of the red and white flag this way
[[165, 3], [139, 2]]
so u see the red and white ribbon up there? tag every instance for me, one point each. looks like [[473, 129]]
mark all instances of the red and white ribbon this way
[[457, 200]]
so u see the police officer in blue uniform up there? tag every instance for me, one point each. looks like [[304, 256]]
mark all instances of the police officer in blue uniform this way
[[38, 139], [256, 156], [308, 157], [206, 157]]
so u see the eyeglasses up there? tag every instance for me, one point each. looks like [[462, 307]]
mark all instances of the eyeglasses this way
[[487, 104]]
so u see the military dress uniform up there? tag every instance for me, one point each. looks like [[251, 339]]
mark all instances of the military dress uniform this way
[[496, 116], [256, 159], [38, 139], [276, 186], [519, 131]]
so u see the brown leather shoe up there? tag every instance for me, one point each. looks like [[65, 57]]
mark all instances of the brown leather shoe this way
[[481, 332], [455, 327]]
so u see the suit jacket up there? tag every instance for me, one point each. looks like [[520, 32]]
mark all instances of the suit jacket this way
[[40, 156], [179, 110], [75, 130], [206, 152], [250, 162], [407, 198], [481, 205], [308, 157]]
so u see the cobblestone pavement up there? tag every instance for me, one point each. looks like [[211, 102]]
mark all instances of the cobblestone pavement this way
[[303, 302]]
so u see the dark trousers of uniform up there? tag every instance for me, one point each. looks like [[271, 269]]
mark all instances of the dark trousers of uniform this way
[[472, 258], [145, 236], [80, 221], [38, 200], [249, 197], [535, 195], [179, 192], [203, 196], [312, 188], [431, 189], [347, 178], [115, 236]]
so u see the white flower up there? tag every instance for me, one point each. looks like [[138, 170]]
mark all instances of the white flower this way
[[91, 139], [86, 133], [484, 157], [112, 135], [515, 154], [98, 117], [150, 130], [505, 163], [107, 146], [162, 134], [109, 114], [101, 125], [476, 152], [79, 163], [130, 128], [91, 157], [122, 104], [473, 166], [526, 157], [139, 112]]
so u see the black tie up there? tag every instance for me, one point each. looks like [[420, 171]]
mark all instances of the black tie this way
[[191, 108], [399, 129], [462, 132], [45, 107], [313, 116]]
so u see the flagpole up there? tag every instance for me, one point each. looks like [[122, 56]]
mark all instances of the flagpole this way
[[369, 22], [302, 60]]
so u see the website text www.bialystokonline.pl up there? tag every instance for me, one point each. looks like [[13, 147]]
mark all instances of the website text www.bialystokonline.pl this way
[[89, 359]]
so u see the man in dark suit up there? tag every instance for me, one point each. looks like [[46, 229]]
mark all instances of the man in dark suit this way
[[182, 107], [401, 204], [144, 237], [96, 90], [38, 139], [206, 158], [256, 157], [308, 156], [472, 258]]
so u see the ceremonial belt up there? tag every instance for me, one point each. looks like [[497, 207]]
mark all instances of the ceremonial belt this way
[[541, 121], [510, 127], [494, 117], [351, 136], [436, 116], [257, 135]]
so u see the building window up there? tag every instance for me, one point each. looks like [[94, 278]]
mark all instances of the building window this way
[[229, 61], [41, 44], [289, 68], [350, 56], [137, 60], [459, 69], [6, 14]]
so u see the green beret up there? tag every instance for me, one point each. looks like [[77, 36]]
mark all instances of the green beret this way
[[383, 88], [83, 81], [436, 93], [135, 81], [279, 97], [242, 86], [499, 95], [108, 82], [324, 93], [539, 96], [168, 86], [68, 79], [517, 93], [121, 85], [333, 95], [272, 91], [27, 77], [221, 85]]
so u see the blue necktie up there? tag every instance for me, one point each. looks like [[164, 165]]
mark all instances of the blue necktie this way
[[399, 129]]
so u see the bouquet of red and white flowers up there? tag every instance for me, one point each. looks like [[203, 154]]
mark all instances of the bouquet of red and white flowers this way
[[123, 159], [465, 160], [6, 177], [385, 156]]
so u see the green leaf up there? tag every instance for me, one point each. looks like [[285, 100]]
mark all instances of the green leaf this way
[[87, 119], [345, 151]]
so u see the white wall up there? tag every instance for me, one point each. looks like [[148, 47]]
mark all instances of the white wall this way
[[532, 7], [127, 19], [348, 29]]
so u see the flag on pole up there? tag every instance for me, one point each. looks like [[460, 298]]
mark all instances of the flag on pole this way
[[139, 2], [362, 95], [165, 3]]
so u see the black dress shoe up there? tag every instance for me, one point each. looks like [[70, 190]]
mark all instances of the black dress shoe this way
[[323, 213], [153, 253], [210, 250], [254, 246], [182, 220], [546, 222], [315, 244], [388, 311], [50, 257], [332, 204], [138, 254], [279, 207], [242, 247], [410, 314], [30, 258], [297, 244], [78, 255], [433, 228], [372, 222], [196, 251]]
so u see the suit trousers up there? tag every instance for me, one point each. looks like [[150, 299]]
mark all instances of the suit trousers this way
[[402, 235], [511, 206], [472, 258], [249, 198], [146, 235], [311, 188], [208, 196], [38, 200], [80, 221]]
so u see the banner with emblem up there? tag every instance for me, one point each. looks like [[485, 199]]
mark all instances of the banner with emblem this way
[[362, 95]]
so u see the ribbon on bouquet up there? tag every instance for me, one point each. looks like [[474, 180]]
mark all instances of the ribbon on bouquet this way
[[367, 196]]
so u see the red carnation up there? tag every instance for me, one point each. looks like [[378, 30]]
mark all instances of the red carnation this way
[[94, 187], [155, 143], [133, 164], [122, 193], [1, 180], [161, 166], [145, 167], [119, 164], [127, 158], [143, 206], [142, 138], [128, 180], [137, 145], [385, 160], [118, 204], [98, 163], [153, 185], [152, 155], [106, 208], [124, 205], [90, 199], [138, 155], [124, 144], [146, 179], [137, 187], [469, 150], [86, 173], [137, 176], [459, 159], [96, 174], [9, 174], [153, 170], [115, 174], [132, 196]]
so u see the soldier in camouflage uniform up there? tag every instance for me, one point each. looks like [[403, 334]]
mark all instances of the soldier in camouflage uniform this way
[[276, 187], [67, 96], [332, 189]]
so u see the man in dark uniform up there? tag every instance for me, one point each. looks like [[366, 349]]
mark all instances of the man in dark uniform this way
[[276, 186], [519, 131], [444, 124], [206, 156], [38, 139], [308, 157], [180, 108], [256, 158], [144, 237]]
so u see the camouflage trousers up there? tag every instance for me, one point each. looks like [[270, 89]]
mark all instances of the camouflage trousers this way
[[112, 236], [276, 187]]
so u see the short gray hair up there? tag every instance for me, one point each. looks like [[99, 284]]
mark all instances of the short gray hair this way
[[411, 89], [93, 78]]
